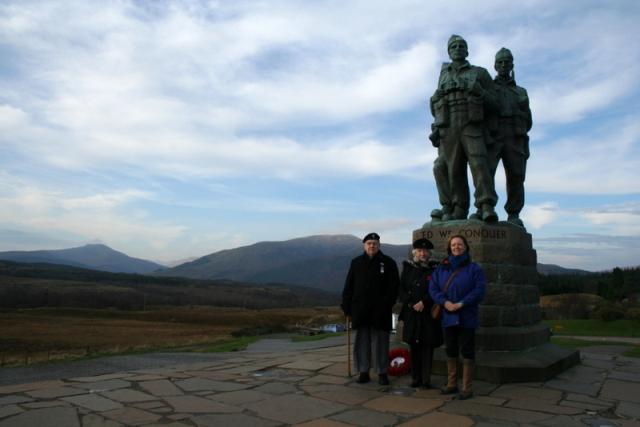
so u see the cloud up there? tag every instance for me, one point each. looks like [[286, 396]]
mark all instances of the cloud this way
[[537, 216]]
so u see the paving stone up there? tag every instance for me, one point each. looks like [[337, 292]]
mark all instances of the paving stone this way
[[583, 374], [337, 369], [197, 404], [11, 399], [21, 388], [93, 402], [494, 423], [277, 388], [326, 379], [574, 387], [366, 418], [46, 404], [161, 410], [621, 390], [583, 405], [54, 392], [176, 417], [433, 393], [148, 405], [499, 413], [132, 416], [587, 399], [105, 385], [601, 364], [216, 375], [439, 419], [600, 422], [176, 424], [146, 377], [540, 405], [402, 404], [295, 408], [561, 421], [202, 384], [322, 422], [233, 420], [346, 395], [628, 409], [487, 400], [126, 395], [93, 420], [516, 391], [98, 378], [47, 417], [9, 410], [624, 376], [307, 365], [240, 397]]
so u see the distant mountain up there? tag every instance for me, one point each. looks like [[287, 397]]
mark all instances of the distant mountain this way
[[95, 256], [549, 269], [317, 261]]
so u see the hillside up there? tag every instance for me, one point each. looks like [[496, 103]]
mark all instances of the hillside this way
[[96, 257], [317, 261], [45, 285]]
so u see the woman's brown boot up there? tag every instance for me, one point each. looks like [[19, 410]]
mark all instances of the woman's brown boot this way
[[467, 379], [452, 377]]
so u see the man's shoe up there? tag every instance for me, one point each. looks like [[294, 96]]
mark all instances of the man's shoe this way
[[448, 390], [425, 386], [416, 384], [363, 378], [383, 379]]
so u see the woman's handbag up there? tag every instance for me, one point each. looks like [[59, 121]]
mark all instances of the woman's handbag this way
[[436, 309]]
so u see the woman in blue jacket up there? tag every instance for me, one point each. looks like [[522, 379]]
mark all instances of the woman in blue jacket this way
[[459, 285]]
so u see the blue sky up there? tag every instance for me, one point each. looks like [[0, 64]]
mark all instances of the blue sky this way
[[173, 129]]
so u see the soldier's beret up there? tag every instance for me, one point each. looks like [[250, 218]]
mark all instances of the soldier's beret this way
[[423, 244], [371, 236]]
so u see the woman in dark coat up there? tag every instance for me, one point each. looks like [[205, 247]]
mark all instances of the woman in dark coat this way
[[420, 330]]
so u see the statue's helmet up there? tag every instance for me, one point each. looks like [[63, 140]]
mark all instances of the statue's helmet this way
[[456, 38], [504, 53]]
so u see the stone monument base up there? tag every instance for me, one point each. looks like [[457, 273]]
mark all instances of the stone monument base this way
[[536, 364]]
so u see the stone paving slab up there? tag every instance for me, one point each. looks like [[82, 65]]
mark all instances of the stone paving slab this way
[[294, 409], [401, 404], [132, 416], [48, 417], [439, 419], [275, 389], [195, 404], [160, 388], [366, 418]]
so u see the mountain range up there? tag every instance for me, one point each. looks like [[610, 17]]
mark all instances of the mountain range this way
[[95, 257], [318, 261]]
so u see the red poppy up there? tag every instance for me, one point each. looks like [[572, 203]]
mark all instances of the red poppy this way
[[399, 362]]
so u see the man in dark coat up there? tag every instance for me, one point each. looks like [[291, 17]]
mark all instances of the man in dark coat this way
[[369, 293], [422, 332]]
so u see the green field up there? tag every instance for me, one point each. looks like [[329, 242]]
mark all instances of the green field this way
[[595, 328]]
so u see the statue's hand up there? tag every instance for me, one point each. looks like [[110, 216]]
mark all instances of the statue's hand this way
[[477, 90], [437, 95]]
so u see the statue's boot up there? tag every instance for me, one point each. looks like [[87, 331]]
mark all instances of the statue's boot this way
[[459, 213], [515, 219], [477, 216], [489, 214]]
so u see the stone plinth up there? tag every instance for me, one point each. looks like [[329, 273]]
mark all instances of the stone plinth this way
[[512, 341]]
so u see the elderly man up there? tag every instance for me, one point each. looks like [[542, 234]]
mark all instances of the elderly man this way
[[369, 294], [460, 106], [512, 142]]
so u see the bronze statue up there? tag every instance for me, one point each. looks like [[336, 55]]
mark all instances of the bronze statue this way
[[511, 143], [461, 105]]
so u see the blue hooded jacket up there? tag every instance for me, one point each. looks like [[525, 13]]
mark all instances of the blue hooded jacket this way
[[468, 287]]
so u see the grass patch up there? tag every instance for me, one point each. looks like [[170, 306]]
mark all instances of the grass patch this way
[[317, 337], [632, 352], [577, 343], [596, 328]]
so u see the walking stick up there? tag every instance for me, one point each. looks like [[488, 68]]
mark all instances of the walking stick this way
[[348, 320]]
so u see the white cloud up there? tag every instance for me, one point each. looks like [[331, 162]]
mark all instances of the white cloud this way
[[537, 216]]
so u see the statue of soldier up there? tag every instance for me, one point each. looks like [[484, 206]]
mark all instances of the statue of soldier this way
[[460, 106], [511, 142]]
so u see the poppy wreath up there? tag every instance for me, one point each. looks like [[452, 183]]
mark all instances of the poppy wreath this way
[[399, 362]]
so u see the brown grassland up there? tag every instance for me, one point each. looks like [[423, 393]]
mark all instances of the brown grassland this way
[[46, 334]]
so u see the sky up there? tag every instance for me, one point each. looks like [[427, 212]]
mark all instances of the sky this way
[[174, 129]]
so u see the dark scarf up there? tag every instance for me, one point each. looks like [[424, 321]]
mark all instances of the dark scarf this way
[[458, 261]]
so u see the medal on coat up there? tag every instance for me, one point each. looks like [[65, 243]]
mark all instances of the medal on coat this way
[[382, 268]]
